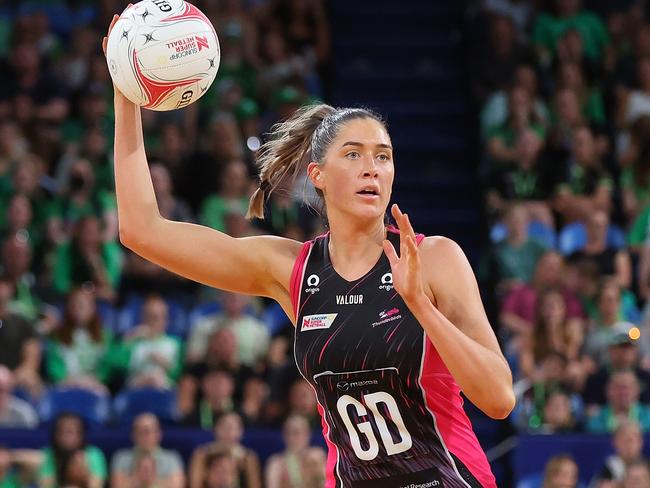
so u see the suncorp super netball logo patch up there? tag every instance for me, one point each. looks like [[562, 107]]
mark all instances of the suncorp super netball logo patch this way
[[319, 321]]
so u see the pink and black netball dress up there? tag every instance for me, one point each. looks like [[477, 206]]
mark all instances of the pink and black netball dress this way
[[392, 413]]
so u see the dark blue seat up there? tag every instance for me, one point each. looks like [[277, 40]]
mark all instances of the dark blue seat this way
[[573, 237], [130, 315], [93, 407], [130, 403]]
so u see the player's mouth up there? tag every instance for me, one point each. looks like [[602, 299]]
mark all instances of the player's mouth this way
[[369, 193]]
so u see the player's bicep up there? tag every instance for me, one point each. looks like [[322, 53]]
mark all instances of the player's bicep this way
[[258, 265], [453, 285]]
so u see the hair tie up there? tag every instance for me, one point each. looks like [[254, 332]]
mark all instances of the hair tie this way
[[265, 185]]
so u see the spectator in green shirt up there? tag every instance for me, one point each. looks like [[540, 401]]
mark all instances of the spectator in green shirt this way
[[570, 75], [586, 187], [8, 478], [80, 351], [512, 262], [233, 194], [569, 15], [80, 199], [69, 437], [635, 179], [86, 259]]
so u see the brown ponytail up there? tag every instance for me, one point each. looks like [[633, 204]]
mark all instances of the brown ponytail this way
[[302, 138], [286, 152]]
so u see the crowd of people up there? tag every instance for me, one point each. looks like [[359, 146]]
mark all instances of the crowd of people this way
[[563, 92], [79, 311]]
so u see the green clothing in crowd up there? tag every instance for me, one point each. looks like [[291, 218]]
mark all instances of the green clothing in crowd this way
[[94, 459], [215, 208], [70, 268], [548, 29], [84, 357], [641, 192]]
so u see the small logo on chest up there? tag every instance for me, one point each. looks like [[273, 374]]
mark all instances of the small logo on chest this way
[[349, 299], [386, 316], [319, 321]]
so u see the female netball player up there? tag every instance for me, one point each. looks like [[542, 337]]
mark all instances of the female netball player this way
[[389, 324]]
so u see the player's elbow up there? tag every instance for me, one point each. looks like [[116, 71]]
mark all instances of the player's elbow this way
[[131, 237], [502, 405]]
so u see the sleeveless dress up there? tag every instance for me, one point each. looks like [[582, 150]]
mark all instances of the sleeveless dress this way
[[392, 414]]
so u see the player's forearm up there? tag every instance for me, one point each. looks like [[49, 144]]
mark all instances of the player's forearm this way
[[136, 200], [482, 374]]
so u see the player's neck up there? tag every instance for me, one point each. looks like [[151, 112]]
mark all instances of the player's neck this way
[[352, 248]]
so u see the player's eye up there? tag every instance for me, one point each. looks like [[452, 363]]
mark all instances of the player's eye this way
[[353, 155], [383, 157]]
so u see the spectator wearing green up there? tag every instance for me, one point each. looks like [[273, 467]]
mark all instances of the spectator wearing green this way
[[81, 351], [569, 15], [570, 75], [622, 394], [635, 176], [87, 259], [512, 262], [233, 195], [69, 436], [82, 199], [155, 357], [586, 187], [502, 139], [8, 477]]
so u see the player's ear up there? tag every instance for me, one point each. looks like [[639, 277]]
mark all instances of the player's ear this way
[[315, 174]]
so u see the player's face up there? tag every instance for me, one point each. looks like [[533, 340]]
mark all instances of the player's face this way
[[357, 175]]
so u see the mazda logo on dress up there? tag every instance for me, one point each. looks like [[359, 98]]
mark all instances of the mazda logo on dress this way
[[343, 385]]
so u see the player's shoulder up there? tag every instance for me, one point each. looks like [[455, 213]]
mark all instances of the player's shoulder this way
[[440, 248]]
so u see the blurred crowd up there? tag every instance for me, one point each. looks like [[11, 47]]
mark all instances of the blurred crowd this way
[[563, 92], [84, 317]]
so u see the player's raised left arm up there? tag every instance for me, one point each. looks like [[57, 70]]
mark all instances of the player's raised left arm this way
[[438, 285]]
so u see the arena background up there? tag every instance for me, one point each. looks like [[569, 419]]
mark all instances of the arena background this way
[[521, 130]]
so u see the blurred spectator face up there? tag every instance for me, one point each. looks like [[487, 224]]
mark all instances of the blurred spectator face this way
[[68, 433], [10, 138], [81, 177], [642, 40], [6, 292], [25, 177], [623, 356], [529, 146], [567, 107], [502, 35], [155, 314], [221, 472], [557, 411], [19, 213], [223, 346], [88, 233], [553, 367], [224, 136], [597, 227], [6, 386], [16, 257], [516, 221], [553, 308], [146, 432], [162, 182], [229, 429], [25, 58], [218, 386], [637, 476], [5, 462], [234, 304], [570, 47], [274, 46], [526, 78], [302, 400], [609, 302], [256, 390], [548, 271], [520, 104], [563, 475], [172, 139], [235, 177], [94, 145], [566, 8], [584, 147], [643, 70], [296, 433], [236, 224], [570, 76], [628, 441], [622, 390], [81, 307]]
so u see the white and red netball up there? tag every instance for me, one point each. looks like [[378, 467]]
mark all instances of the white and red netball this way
[[163, 54]]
